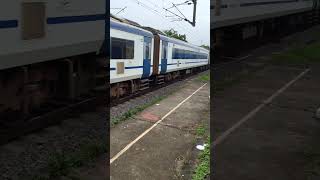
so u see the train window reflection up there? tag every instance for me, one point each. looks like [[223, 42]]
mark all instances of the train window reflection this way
[[164, 51], [186, 54], [147, 50], [122, 48]]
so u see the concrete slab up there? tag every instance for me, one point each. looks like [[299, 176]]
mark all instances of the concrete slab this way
[[227, 112], [260, 86], [157, 156], [271, 144], [126, 132], [188, 116], [167, 148], [167, 104], [232, 104], [303, 95]]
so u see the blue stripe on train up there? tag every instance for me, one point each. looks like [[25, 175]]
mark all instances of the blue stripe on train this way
[[134, 67], [74, 19], [130, 67], [8, 24], [58, 20]]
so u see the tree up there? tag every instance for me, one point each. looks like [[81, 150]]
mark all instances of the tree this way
[[205, 46], [174, 34]]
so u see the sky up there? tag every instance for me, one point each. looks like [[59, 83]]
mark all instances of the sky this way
[[151, 13]]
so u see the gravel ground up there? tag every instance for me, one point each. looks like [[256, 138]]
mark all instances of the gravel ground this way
[[30, 154]]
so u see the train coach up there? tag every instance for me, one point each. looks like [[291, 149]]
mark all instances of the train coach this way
[[143, 56], [235, 24], [50, 52]]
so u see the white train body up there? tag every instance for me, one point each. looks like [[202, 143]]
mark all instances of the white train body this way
[[183, 60], [49, 51], [231, 12], [42, 30], [129, 66], [132, 40]]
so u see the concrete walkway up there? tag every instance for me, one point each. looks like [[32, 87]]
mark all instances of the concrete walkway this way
[[270, 138], [162, 152]]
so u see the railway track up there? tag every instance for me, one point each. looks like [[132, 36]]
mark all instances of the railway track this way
[[115, 102], [11, 130]]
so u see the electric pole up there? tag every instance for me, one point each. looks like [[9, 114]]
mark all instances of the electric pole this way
[[194, 12]]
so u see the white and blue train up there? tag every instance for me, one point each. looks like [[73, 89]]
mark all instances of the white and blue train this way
[[49, 50], [236, 24], [141, 55]]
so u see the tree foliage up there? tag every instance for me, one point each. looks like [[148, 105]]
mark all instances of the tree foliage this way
[[174, 34], [205, 46]]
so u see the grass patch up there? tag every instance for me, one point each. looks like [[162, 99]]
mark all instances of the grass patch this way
[[134, 111], [204, 78], [230, 80], [203, 168], [298, 55], [200, 131], [312, 157], [61, 164]]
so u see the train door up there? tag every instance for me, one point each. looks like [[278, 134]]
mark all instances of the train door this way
[[146, 57], [164, 57]]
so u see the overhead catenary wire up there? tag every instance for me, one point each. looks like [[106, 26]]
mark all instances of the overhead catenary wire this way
[[162, 16], [179, 4], [179, 11], [121, 10], [184, 17], [158, 13]]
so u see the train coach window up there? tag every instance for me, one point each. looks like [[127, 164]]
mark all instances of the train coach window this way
[[164, 51], [180, 53], [194, 55], [186, 54], [189, 54], [147, 50], [122, 48], [174, 54]]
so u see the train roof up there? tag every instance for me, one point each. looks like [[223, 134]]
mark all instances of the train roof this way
[[135, 28], [164, 37], [129, 28], [180, 42]]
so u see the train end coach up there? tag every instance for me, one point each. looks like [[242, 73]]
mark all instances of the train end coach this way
[[142, 57], [240, 25], [49, 50]]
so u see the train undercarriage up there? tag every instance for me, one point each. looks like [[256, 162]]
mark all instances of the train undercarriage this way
[[236, 40], [122, 89], [34, 89]]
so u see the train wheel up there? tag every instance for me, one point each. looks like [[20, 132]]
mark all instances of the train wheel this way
[[168, 77]]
